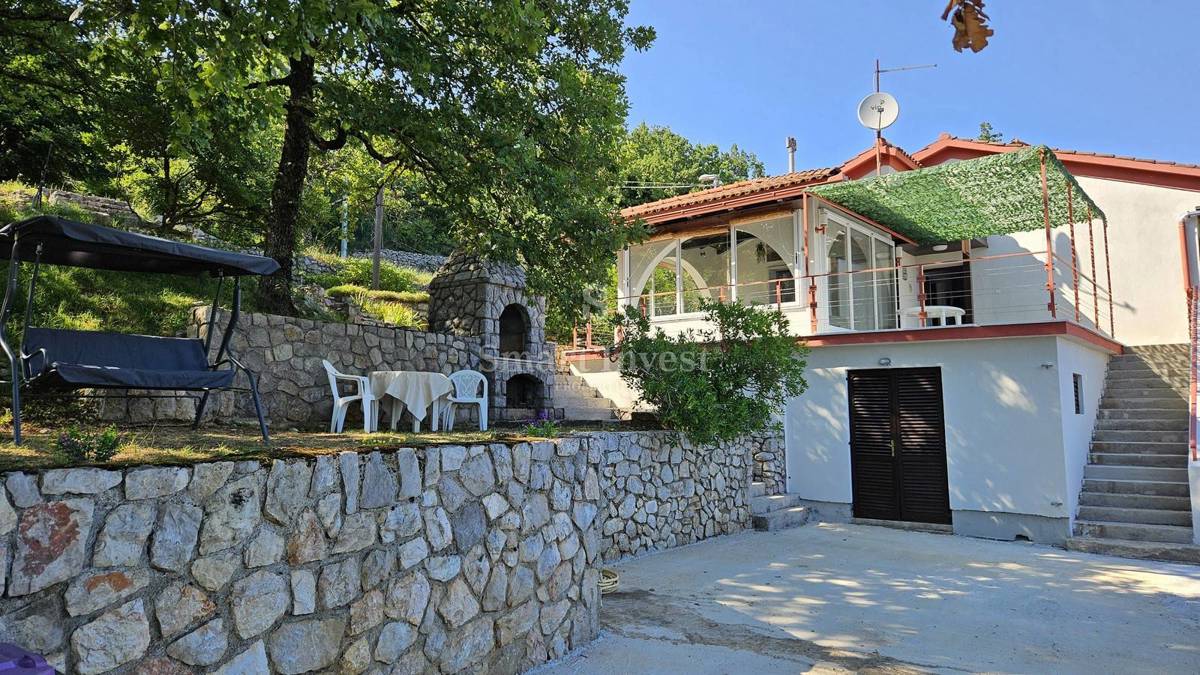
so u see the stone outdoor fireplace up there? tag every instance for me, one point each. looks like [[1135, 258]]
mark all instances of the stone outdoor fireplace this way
[[488, 300]]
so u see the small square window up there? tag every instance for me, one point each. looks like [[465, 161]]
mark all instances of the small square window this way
[[1077, 383]]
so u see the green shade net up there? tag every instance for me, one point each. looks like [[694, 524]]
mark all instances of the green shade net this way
[[998, 194]]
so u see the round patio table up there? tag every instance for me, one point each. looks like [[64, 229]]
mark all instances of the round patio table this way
[[412, 390]]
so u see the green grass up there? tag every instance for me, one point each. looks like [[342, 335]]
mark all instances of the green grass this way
[[357, 272]]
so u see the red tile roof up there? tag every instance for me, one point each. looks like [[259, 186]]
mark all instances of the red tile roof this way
[[1018, 143], [755, 188]]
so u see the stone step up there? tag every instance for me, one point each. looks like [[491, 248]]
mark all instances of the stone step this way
[[1141, 448], [589, 414], [1143, 394], [1139, 436], [1144, 550], [1178, 415], [1115, 514], [1133, 531], [1147, 424], [1116, 385], [1143, 403], [1138, 459], [577, 402], [757, 489], [1150, 473], [1135, 501], [1139, 364], [578, 392], [765, 504], [1155, 488], [781, 519]]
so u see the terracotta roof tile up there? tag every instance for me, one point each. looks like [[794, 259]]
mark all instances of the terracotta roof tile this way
[[743, 188], [1018, 143]]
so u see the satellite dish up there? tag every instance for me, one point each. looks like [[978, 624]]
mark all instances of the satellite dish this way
[[878, 111]]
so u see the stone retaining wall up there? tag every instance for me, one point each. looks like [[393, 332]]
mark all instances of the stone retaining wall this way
[[769, 464], [450, 559], [286, 354], [660, 491]]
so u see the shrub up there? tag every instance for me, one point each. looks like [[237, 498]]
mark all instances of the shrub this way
[[357, 272], [720, 383], [81, 446]]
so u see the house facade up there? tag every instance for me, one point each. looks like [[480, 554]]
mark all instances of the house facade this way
[[967, 313]]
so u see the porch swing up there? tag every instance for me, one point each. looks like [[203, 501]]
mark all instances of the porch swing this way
[[54, 360]]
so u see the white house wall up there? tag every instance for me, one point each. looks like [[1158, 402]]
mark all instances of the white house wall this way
[[1143, 240], [1004, 430], [1077, 429]]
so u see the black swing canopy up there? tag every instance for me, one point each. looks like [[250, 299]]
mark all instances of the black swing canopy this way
[[60, 359]]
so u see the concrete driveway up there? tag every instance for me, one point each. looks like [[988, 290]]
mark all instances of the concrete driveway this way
[[835, 598]]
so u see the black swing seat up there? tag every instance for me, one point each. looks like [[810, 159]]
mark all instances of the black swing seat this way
[[63, 359]]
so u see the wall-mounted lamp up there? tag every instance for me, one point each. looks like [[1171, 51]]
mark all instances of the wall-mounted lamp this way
[[885, 362], [1047, 366], [940, 247]]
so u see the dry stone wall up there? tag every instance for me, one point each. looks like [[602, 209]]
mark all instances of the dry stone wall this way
[[286, 354], [661, 491], [769, 463], [444, 559]]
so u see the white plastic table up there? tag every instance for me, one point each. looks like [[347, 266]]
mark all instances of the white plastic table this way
[[413, 390], [946, 313]]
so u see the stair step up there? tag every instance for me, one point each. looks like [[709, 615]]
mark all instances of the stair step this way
[[1139, 459], [1116, 514], [1143, 550], [1133, 531], [1135, 487], [1140, 448], [1142, 403], [1151, 473], [1178, 415], [765, 504], [1149, 424], [1141, 394], [578, 402], [757, 489], [1140, 436], [589, 414], [780, 519], [1116, 383], [1135, 501]]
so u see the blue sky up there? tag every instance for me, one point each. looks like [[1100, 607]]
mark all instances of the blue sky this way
[[1087, 75]]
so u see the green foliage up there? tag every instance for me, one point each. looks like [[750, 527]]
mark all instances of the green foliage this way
[[395, 313], [658, 155], [998, 194], [82, 446], [719, 383], [357, 272], [988, 135], [544, 428]]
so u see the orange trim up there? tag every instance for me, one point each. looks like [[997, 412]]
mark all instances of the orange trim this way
[[859, 216], [1012, 330], [864, 162]]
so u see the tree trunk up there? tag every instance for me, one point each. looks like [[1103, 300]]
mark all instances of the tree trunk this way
[[280, 241]]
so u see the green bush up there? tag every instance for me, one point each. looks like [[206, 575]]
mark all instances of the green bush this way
[[720, 383], [357, 272], [81, 446]]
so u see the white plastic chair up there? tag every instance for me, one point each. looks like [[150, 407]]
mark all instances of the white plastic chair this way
[[341, 404], [470, 388]]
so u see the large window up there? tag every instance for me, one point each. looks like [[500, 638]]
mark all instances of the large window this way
[[861, 282], [765, 261], [704, 269]]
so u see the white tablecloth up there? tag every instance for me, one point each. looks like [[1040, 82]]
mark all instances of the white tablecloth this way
[[416, 390]]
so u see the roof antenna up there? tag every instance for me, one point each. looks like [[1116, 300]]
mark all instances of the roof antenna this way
[[879, 110], [791, 150]]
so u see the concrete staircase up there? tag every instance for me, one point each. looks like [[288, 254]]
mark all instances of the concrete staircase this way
[[580, 401], [775, 512], [1135, 499]]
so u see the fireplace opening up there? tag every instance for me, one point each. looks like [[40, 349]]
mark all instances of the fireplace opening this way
[[523, 391], [514, 331]]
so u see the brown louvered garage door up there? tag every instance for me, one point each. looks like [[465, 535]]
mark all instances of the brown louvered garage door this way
[[898, 445]]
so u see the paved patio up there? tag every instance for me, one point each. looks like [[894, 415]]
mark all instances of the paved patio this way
[[835, 598]]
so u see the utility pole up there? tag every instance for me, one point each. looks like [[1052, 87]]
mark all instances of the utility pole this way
[[378, 239], [345, 248]]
